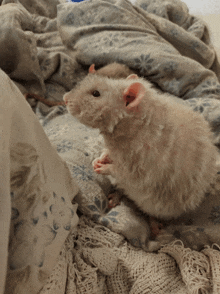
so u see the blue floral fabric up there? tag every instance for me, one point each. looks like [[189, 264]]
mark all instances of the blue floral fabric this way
[[157, 39]]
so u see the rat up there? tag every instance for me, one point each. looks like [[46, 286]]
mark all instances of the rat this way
[[117, 70], [160, 152]]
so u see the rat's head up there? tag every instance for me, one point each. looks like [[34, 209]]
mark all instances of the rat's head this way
[[100, 102]]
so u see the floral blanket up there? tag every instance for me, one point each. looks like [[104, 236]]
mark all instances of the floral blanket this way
[[57, 234]]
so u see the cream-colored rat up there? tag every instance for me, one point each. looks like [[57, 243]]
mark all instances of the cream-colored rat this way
[[159, 151]]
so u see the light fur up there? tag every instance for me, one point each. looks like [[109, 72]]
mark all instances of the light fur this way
[[115, 70], [161, 151]]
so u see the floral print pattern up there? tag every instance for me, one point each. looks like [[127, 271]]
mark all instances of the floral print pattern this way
[[100, 212], [43, 217], [144, 64]]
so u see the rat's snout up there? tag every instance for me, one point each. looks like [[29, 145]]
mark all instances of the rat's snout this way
[[72, 103]]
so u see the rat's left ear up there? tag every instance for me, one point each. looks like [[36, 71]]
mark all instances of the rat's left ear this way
[[132, 76], [92, 69], [133, 94]]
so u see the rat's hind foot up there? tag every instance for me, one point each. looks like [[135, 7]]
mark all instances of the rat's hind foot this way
[[114, 199], [155, 227]]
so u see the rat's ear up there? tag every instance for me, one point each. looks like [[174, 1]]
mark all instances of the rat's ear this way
[[132, 76], [92, 69], [133, 94]]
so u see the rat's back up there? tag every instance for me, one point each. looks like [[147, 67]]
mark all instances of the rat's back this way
[[170, 162]]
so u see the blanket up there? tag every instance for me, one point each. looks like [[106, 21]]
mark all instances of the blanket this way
[[58, 234]]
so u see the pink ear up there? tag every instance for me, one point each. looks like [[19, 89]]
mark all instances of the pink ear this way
[[132, 76], [92, 69], [133, 94]]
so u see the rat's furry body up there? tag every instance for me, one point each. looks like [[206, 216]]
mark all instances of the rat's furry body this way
[[160, 152]]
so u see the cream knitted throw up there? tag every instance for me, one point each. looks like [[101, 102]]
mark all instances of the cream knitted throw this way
[[95, 260]]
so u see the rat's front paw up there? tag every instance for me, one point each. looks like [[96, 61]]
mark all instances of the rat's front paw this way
[[104, 169], [102, 160], [96, 163]]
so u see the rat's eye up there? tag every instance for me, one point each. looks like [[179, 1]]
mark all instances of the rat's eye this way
[[95, 93]]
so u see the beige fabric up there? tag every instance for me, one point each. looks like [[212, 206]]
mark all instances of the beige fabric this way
[[213, 22], [36, 192]]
